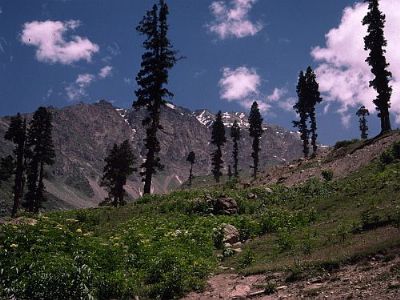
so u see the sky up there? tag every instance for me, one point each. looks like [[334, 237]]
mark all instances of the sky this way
[[61, 52]]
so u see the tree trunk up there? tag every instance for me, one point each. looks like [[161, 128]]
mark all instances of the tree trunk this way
[[19, 180], [40, 189], [191, 174], [385, 120]]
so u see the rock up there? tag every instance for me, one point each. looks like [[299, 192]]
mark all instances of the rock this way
[[237, 245], [240, 292], [23, 221], [252, 196], [237, 250], [268, 190], [225, 205], [231, 234]]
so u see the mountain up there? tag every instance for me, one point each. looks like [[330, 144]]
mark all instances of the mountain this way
[[83, 134]]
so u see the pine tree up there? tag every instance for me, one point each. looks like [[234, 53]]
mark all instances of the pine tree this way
[[235, 135], [301, 109], [375, 42], [256, 131], [40, 152], [158, 59], [218, 139], [313, 97], [17, 134], [362, 113], [119, 166], [191, 159]]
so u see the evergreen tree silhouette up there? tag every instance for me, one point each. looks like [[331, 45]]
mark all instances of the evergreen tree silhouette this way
[[40, 152], [256, 132], [362, 113], [375, 42], [301, 109], [191, 159], [17, 134], [119, 166], [158, 59], [218, 139], [235, 135], [313, 97]]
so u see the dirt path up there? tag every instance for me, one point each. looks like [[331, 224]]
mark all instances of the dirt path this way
[[375, 277]]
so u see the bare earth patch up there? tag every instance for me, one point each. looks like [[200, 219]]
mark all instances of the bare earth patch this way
[[341, 166], [375, 277]]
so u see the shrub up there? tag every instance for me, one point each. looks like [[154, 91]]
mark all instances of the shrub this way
[[386, 158], [327, 175], [246, 259], [344, 143]]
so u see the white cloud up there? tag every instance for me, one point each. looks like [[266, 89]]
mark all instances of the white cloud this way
[[105, 72], [239, 83], [277, 94], [288, 104], [77, 90], [52, 47], [343, 74], [232, 20]]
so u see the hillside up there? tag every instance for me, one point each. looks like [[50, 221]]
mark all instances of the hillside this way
[[83, 133], [315, 238]]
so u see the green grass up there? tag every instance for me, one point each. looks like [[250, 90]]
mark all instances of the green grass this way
[[162, 247]]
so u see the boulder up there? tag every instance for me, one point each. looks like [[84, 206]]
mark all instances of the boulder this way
[[225, 205], [230, 234]]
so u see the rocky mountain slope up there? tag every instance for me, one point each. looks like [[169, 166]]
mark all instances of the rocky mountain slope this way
[[83, 133]]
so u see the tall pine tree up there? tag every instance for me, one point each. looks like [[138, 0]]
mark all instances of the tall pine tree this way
[[235, 135], [362, 113], [256, 132], [191, 159], [301, 109], [313, 97], [218, 139], [119, 166], [375, 42], [158, 59], [17, 134], [40, 152]]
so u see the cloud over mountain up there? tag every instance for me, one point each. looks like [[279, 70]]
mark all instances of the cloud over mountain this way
[[49, 38]]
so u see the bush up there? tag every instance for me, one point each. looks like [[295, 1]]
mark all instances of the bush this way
[[327, 175], [246, 259], [344, 143]]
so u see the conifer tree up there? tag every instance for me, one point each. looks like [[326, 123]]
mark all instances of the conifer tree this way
[[313, 97], [40, 152], [158, 59], [235, 135], [362, 113], [218, 139], [191, 159], [17, 134], [301, 109], [256, 132], [375, 42], [119, 166]]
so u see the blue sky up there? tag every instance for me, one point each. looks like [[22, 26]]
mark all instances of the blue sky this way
[[59, 52]]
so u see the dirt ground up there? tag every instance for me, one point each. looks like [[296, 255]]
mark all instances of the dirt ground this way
[[300, 171], [374, 277]]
